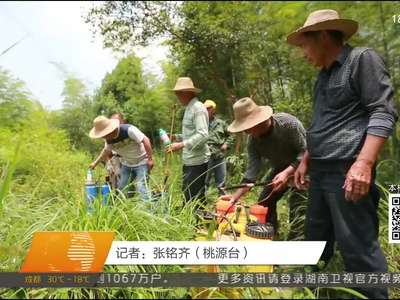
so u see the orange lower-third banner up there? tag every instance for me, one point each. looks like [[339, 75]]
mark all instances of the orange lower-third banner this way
[[88, 252], [68, 252]]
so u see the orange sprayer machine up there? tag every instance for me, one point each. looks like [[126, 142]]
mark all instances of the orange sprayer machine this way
[[239, 222]]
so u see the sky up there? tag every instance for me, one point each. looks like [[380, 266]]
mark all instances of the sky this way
[[56, 32]]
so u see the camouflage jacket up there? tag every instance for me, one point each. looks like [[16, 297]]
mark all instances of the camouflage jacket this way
[[218, 135]]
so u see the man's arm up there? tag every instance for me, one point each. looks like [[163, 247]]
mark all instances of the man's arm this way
[[297, 137], [238, 194], [139, 137], [199, 138], [252, 171], [280, 181], [358, 178], [301, 171], [372, 82], [374, 87], [102, 157], [149, 151], [253, 164]]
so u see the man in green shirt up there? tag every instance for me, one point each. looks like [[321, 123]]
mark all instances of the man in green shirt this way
[[219, 140], [193, 140]]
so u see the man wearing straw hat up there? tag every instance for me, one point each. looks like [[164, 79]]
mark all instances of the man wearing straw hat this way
[[193, 140], [353, 116], [113, 161], [280, 139], [219, 140], [133, 147]]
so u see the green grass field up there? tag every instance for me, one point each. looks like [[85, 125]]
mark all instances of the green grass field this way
[[40, 194]]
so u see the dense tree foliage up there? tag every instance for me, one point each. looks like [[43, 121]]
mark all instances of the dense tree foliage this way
[[15, 100], [139, 97], [236, 49]]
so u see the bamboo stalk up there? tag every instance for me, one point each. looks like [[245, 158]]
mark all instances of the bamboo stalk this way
[[169, 154]]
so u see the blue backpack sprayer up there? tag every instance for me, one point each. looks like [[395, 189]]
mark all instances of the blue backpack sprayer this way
[[93, 190]]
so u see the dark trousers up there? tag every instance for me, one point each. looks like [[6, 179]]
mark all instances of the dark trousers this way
[[354, 226], [297, 202], [193, 185], [217, 167]]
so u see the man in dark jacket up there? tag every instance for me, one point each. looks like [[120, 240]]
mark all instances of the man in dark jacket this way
[[278, 138], [353, 116]]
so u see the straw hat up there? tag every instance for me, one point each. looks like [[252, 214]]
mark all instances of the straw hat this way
[[209, 103], [325, 19], [185, 84], [103, 126], [248, 114]]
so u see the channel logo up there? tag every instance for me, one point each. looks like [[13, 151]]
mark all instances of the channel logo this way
[[71, 252]]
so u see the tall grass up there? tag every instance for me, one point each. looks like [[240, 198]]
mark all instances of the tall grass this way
[[131, 219], [7, 175]]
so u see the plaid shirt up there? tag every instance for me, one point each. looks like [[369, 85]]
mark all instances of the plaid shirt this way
[[194, 134], [353, 98], [283, 146]]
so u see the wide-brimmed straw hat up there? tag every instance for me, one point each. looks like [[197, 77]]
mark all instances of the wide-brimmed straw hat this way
[[325, 19], [248, 114], [103, 126], [185, 84]]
